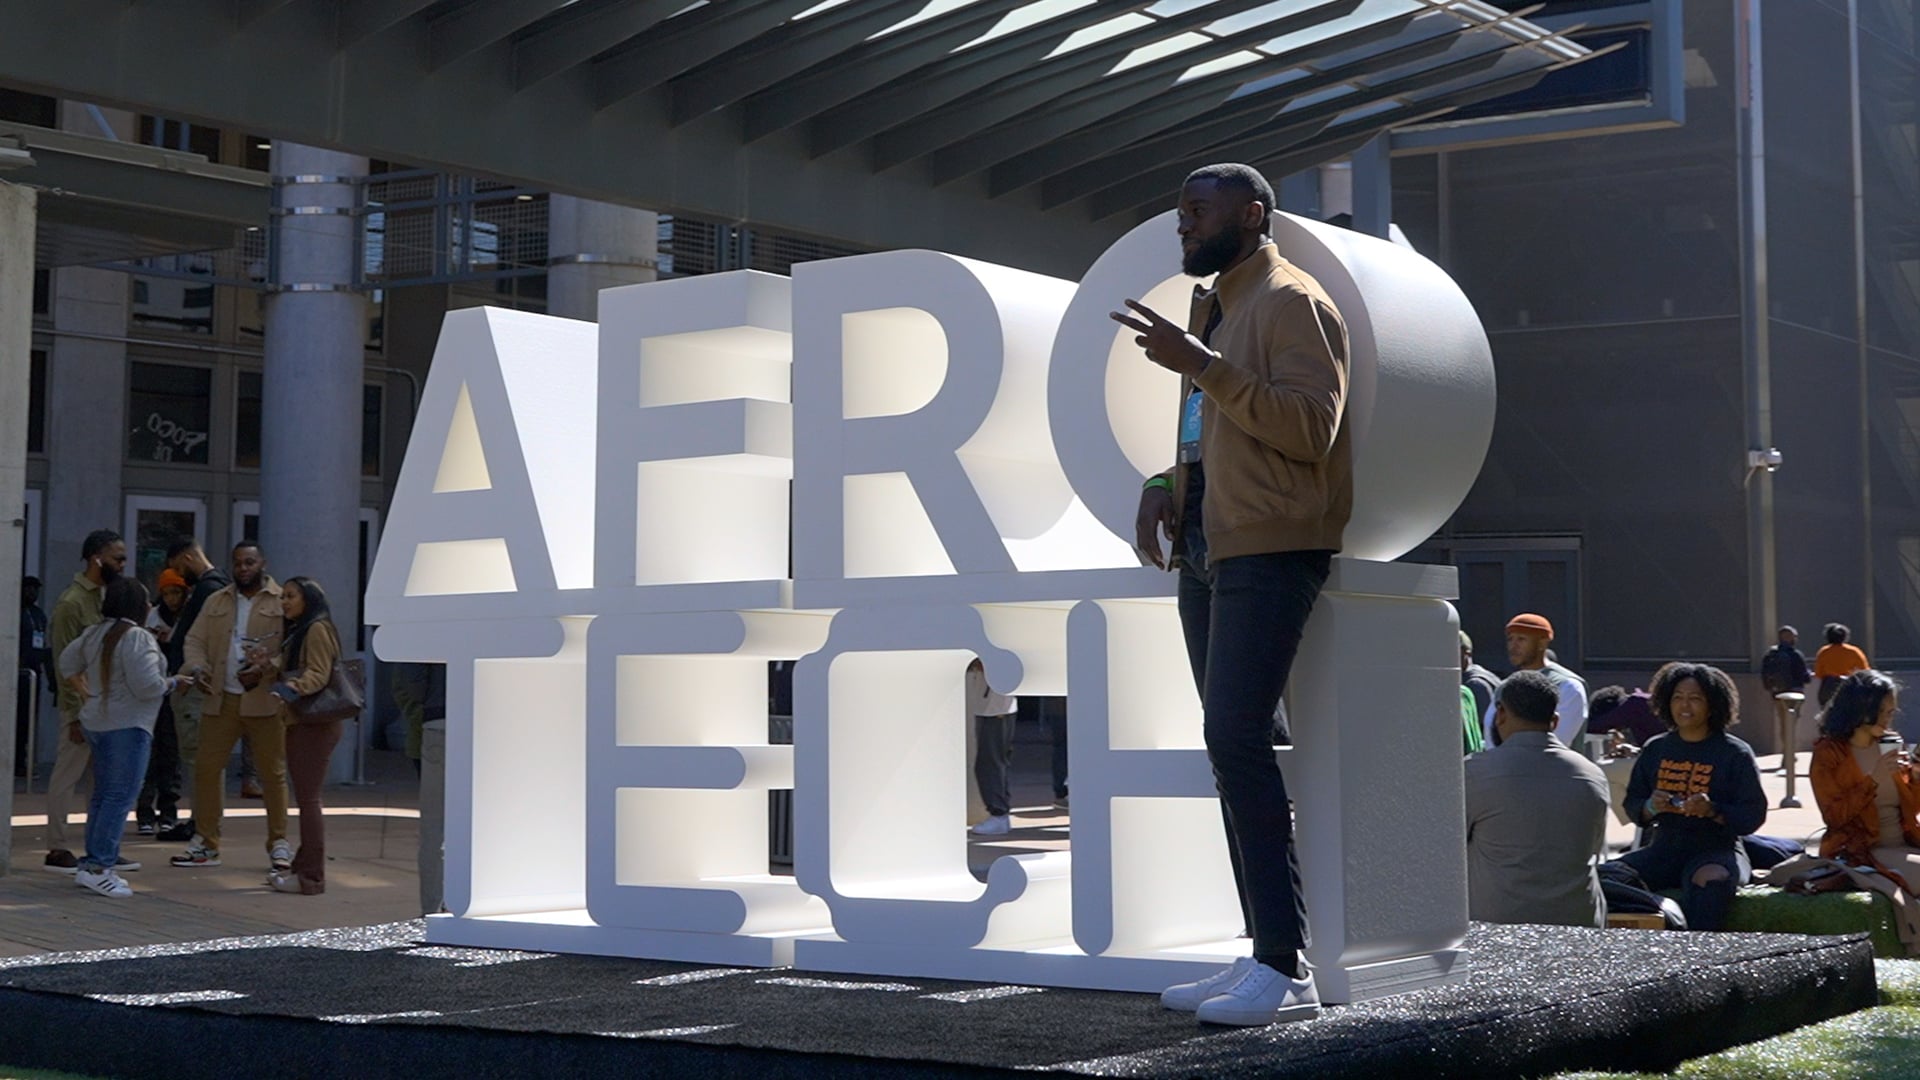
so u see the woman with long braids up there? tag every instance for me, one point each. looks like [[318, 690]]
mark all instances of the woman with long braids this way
[[309, 651], [116, 667]]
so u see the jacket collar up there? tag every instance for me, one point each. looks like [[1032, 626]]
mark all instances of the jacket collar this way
[[1532, 740], [268, 587], [1234, 285]]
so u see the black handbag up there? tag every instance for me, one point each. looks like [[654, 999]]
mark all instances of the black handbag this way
[[343, 696]]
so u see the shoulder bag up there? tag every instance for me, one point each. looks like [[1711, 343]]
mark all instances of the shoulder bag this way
[[343, 696]]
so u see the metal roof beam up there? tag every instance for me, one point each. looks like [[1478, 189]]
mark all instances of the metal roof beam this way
[[943, 127], [1099, 142], [581, 32], [696, 38], [464, 31], [246, 12], [1015, 126], [783, 53], [361, 19], [912, 98], [1285, 150], [1207, 138], [874, 63]]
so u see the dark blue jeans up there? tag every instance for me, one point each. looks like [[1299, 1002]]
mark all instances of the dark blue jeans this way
[[1243, 619], [119, 766], [1672, 866]]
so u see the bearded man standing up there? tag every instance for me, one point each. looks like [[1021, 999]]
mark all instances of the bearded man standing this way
[[1256, 508], [105, 556]]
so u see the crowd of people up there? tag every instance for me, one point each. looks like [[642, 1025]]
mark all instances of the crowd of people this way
[[1541, 779], [153, 697]]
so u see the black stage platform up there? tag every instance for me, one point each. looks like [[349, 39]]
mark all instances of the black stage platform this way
[[374, 1002]]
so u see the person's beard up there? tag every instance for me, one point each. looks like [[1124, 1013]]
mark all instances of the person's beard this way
[[1212, 255], [109, 573]]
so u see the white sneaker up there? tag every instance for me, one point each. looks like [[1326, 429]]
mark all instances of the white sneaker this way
[[1186, 997], [104, 882], [1262, 996], [280, 855], [997, 825]]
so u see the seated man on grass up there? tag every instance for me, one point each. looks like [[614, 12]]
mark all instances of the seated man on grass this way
[[1536, 816]]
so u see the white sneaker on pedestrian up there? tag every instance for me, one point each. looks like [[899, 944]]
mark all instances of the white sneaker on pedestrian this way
[[1186, 997], [997, 825], [1262, 996], [281, 855], [104, 882]]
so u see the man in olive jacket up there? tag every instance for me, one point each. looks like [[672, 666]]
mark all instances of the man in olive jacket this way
[[1256, 508], [233, 647], [105, 556]]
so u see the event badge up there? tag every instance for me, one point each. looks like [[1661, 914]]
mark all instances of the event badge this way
[[1190, 429]]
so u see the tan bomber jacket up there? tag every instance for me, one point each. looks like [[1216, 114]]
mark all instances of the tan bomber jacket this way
[[1278, 456], [207, 642]]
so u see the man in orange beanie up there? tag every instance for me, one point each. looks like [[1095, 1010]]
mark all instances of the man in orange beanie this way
[[1528, 638]]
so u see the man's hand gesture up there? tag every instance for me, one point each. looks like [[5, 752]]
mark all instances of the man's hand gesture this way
[[1154, 517], [1166, 342]]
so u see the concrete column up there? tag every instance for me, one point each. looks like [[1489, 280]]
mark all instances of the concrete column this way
[[1373, 187], [1300, 194], [86, 401], [311, 378], [1336, 189], [593, 246], [16, 341]]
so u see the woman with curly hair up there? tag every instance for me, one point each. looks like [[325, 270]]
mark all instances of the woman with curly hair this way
[[1868, 793], [1697, 790]]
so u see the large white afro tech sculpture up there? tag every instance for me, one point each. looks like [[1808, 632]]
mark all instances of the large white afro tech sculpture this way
[[592, 531]]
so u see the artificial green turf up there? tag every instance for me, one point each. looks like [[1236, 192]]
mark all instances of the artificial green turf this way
[[1883, 1043], [1773, 911], [1899, 981]]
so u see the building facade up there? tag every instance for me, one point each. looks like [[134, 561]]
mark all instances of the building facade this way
[[1665, 303]]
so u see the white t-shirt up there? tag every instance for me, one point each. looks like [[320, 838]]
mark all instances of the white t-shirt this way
[[1571, 713], [237, 648]]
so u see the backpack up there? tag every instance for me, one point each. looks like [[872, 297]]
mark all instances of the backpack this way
[[1626, 893], [1776, 671]]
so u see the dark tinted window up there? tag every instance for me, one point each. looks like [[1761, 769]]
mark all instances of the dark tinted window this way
[[168, 413]]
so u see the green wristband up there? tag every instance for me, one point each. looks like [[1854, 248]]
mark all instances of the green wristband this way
[[1160, 482]]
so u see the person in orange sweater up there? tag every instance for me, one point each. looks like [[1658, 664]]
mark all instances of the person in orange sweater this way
[[1835, 661], [1868, 790]]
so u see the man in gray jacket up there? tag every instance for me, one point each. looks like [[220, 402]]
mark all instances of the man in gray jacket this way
[[1536, 816]]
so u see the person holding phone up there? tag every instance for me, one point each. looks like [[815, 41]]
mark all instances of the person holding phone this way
[[1865, 782], [116, 671], [307, 659], [1697, 790], [232, 652]]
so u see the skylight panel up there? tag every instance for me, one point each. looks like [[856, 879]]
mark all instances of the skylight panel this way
[[1025, 16], [1220, 64], [1090, 35], [1252, 17], [1147, 54], [1367, 14]]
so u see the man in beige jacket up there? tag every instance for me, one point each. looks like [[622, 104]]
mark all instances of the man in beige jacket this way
[[1256, 508], [233, 648]]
